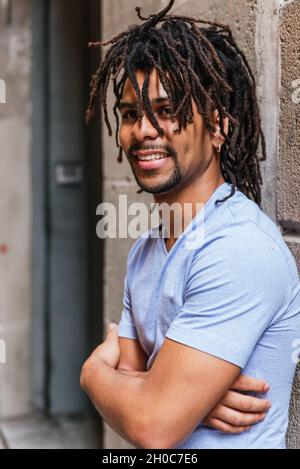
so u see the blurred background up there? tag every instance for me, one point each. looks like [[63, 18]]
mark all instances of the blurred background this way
[[59, 283]]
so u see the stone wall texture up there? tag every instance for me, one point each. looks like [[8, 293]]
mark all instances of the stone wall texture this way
[[288, 173]]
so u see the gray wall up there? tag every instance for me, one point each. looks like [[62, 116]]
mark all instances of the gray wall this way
[[41, 125], [15, 207], [268, 31]]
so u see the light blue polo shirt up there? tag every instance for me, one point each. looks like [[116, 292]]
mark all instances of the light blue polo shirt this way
[[236, 296]]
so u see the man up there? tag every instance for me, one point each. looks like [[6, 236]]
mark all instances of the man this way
[[203, 330]]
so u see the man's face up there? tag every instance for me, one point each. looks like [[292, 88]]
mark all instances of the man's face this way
[[167, 163]]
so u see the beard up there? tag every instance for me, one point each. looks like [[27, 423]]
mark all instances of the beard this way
[[163, 187]]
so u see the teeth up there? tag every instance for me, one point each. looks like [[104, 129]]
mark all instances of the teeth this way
[[153, 157]]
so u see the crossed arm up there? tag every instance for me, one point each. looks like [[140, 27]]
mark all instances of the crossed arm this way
[[159, 408]]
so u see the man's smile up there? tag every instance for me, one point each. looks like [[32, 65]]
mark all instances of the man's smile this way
[[154, 161], [151, 159]]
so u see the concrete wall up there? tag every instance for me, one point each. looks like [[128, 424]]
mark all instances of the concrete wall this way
[[15, 203], [268, 31]]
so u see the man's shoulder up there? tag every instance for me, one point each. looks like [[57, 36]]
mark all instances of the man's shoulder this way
[[240, 259], [239, 233], [245, 242], [243, 223]]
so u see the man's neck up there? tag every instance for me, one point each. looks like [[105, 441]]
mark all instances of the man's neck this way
[[195, 195]]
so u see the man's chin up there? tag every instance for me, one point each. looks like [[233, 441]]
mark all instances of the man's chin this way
[[158, 189], [156, 185]]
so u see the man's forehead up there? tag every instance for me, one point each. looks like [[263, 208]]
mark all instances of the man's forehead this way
[[156, 90]]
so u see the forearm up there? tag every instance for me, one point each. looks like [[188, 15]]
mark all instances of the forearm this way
[[118, 397]]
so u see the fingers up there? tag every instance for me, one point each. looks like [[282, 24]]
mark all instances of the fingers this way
[[247, 383], [236, 418], [244, 403], [228, 420], [223, 426]]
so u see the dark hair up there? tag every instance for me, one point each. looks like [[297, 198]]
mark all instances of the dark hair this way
[[203, 63]]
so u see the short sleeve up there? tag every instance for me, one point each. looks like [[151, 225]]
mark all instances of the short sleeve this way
[[127, 327], [237, 285]]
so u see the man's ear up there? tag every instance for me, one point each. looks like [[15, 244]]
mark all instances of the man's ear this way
[[217, 138]]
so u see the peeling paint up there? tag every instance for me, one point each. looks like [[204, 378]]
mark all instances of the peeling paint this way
[[284, 3], [268, 84], [2, 92], [19, 53], [4, 3], [2, 352]]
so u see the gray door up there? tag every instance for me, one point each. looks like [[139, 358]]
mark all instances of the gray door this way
[[66, 255]]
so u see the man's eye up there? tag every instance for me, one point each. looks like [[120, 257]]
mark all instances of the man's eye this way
[[130, 115], [165, 111]]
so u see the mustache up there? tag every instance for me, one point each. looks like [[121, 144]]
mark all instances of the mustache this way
[[152, 147]]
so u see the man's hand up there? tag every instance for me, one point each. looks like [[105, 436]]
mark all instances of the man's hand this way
[[237, 412], [108, 352]]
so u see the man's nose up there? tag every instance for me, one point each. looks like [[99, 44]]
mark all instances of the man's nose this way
[[143, 129]]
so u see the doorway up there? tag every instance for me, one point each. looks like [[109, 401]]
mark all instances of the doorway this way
[[67, 175]]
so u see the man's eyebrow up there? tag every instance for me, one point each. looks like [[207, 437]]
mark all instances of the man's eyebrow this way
[[123, 104], [127, 105]]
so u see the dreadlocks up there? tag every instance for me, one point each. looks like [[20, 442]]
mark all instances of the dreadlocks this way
[[193, 62]]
